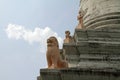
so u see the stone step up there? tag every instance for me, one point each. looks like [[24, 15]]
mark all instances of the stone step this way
[[92, 48], [99, 64], [99, 57], [80, 74], [97, 35], [50, 74], [91, 51]]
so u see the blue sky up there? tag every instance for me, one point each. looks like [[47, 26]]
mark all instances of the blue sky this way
[[24, 28]]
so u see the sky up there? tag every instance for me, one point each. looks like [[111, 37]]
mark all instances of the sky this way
[[24, 27]]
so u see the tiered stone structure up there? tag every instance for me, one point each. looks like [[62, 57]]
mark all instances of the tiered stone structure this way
[[98, 43], [94, 49], [95, 52]]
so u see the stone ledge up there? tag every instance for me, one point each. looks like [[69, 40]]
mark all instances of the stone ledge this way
[[80, 74], [95, 47]]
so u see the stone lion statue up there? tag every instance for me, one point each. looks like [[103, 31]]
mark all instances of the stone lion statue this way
[[68, 38], [53, 54]]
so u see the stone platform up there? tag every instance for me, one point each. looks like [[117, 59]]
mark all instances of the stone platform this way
[[94, 55], [95, 52], [79, 74], [94, 49]]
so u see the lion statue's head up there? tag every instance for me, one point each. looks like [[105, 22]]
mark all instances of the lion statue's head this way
[[52, 41]]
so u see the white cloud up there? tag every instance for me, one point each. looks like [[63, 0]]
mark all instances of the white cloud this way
[[37, 35]]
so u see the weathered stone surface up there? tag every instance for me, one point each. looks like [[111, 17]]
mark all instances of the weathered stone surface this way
[[105, 35], [50, 74], [94, 48], [98, 13], [80, 74]]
